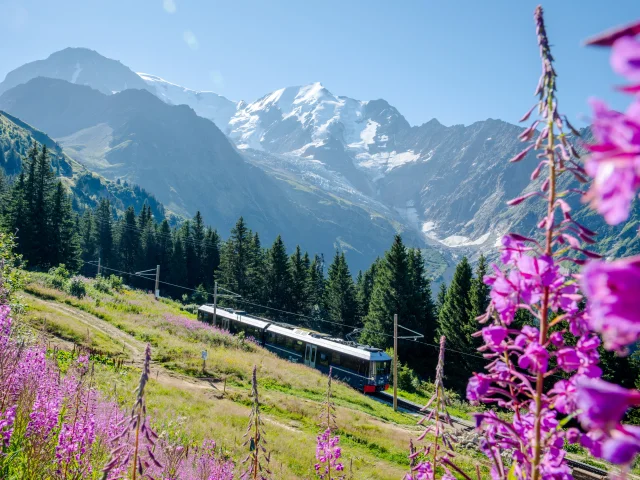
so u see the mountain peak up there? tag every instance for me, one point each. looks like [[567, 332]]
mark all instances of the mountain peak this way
[[77, 65]]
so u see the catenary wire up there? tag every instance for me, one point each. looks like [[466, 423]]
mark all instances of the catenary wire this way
[[292, 313]]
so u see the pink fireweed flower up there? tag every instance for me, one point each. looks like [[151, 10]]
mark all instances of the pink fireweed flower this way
[[563, 394], [601, 404], [6, 425], [478, 387], [621, 446], [535, 358], [422, 471], [47, 404], [612, 290], [614, 162], [506, 293], [568, 359], [493, 336], [625, 58], [328, 453]]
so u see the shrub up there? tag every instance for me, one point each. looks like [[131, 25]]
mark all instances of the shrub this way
[[59, 276], [101, 284], [77, 287], [116, 282]]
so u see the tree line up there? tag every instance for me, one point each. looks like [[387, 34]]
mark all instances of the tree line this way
[[295, 288]]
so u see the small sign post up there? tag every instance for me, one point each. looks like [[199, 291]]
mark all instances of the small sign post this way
[[204, 360]]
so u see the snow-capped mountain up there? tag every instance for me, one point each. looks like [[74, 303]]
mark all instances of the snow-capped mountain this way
[[206, 104], [310, 118]]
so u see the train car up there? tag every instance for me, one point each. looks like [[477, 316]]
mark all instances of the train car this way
[[364, 368]]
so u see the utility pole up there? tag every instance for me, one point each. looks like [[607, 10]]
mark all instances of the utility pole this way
[[395, 362], [157, 290], [98, 266], [215, 301]]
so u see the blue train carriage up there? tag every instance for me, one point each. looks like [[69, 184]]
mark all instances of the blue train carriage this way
[[235, 321], [364, 368]]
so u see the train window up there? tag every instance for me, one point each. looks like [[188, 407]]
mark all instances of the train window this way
[[271, 338], [298, 346], [351, 363], [289, 342], [335, 358], [382, 368], [323, 358]]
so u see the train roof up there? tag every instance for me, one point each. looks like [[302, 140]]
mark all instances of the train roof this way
[[336, 344], [308, 336], [239, 316]]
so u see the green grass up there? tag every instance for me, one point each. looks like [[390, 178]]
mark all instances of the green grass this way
[[375, 438]]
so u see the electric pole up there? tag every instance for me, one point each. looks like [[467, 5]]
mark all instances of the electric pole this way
[[395, 362], [98, 266], [157, 290]]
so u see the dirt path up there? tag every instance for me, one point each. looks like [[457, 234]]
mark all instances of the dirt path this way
[[135, 347]]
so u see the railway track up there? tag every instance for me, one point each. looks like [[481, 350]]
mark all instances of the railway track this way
[[581, 471]]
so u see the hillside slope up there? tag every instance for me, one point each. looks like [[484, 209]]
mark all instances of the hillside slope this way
[[87, 188], [214, 403]]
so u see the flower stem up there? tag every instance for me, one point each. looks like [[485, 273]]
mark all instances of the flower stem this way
[[544, 313]]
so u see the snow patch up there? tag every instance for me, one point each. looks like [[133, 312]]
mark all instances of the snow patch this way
[[76, 73], [462, 241], [368, 135], [428, 226], [386, 161]]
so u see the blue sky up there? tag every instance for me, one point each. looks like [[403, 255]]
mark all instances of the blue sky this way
[[459, 61]]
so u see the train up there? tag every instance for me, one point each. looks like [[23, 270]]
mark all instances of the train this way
[[362, 367]]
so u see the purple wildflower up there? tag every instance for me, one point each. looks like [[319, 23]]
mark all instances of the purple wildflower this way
[[612, 289], [601, 404], [328, 453]]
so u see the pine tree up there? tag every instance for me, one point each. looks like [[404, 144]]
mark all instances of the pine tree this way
[[148, 244], [128, 241], [211, 256], [453, 321], [190, 255], [391, 291], [235, 259], [479, 301], [25, 231], [299, 281], [257, 272], [104, 228], [479, 294], [164, 248], [278, 276], [178, 264], [39, 214], [340, 297], [15, 219], [198, 233], [364, 288], [88, 239], [4, 191], [421, 315], [315, 289], [442, 294], [64, 241]]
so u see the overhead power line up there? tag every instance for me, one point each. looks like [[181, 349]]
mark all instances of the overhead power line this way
[[241, 300]]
